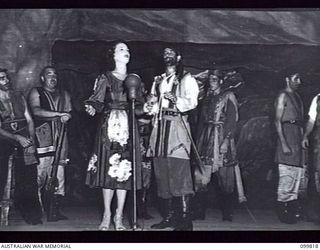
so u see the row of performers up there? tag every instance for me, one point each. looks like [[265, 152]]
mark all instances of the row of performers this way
[[172, 95]]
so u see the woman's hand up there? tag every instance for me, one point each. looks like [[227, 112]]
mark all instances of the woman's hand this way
[[90, 110]]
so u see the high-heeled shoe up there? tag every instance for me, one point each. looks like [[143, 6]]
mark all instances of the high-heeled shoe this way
[[105, 224], [118, 225]]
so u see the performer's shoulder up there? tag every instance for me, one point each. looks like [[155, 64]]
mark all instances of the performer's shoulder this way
[[282, 94], [187, 76], [158, 78]]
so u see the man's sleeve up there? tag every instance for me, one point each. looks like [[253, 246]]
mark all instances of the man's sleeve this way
[[313, 108], [189, 98]]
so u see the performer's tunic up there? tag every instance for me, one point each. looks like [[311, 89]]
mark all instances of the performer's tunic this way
[[13, 120], [291, 166], [112, 151], [48, 130], [169, 142], [217, 121]]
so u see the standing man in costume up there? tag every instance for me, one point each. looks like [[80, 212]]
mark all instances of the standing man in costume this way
[[290, 156], [313, 124], [215, 142], [173, 94], [17, 144], [51, 107]]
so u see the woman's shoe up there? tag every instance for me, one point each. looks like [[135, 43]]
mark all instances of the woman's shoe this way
[[117, 219], [105, 224]]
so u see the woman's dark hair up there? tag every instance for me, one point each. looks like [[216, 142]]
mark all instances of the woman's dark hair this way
[[3, 70], [111, 64]]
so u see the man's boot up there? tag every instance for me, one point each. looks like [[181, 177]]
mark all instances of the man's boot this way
[[184, 222], [142, 206], [60, 215], [53, 212], [286, 212], [168, 220], [227, 207], [199, 206]]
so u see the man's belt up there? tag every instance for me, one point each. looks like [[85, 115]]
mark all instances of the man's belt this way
[[294, 122], [171, 112], [14, 126]]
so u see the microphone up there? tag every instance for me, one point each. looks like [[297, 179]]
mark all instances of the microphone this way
[[132, 83]]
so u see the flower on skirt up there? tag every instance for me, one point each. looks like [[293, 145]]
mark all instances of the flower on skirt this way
[[92, 163], [115, 159], [119, 169]]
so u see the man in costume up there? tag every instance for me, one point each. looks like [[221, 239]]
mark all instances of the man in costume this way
[[313, 126], [17, 146], [215, 142], [290, 156], [173, 94], [51, 107]]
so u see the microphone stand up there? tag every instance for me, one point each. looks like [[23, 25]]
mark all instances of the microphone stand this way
[[134, 164]]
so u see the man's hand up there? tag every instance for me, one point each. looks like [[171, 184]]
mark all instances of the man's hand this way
[[305, 142], [64, 117], [170, 97], [23, 141], [286, 149], [224, 146], [90, 110]]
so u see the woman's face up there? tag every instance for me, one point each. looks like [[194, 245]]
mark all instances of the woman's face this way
[[214, 82], [121, 53]]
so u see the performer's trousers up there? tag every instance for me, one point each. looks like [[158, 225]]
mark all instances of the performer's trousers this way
[[292, 183], [44, 172], [173, 177], [25, 179]]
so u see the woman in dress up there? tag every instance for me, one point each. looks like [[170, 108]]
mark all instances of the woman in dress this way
[[110, 165]]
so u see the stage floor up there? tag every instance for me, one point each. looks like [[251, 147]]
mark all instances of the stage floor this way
[[85, 218]]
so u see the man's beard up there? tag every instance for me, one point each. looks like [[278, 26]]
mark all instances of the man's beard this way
[[5, 87], [170, 61]]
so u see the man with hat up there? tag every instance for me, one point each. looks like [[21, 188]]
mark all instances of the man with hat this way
[[215, 142], [290, 155]]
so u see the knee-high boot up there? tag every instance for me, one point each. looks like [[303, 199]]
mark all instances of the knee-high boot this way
[[227, 207], [185, 221], [168, 220], [142, 205], [287, 212], [53, 212], [199, 206]]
